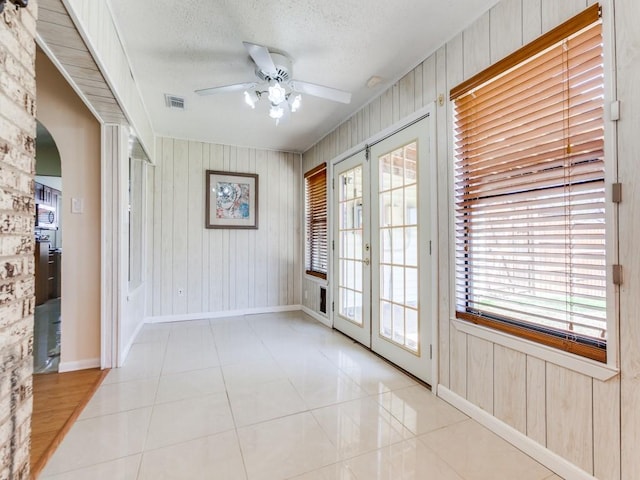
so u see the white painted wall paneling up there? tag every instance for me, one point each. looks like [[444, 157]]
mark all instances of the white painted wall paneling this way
[[181, 233], [554, 12], [476, 46], [531, 20], [165, 212], [149, 172], [195, 219], [157, 241], [506, 29], [536, 400], [479, 373], [628, 67], [606, 429], [200, 271], [510, 387], [437, 73], [98, 29], [569, 416], [58, 35]]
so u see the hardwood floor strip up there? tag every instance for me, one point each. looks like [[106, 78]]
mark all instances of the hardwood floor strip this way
[[58, 400]]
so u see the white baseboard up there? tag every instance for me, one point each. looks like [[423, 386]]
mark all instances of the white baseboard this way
[[226, 313], [316, 316], [546, 457], [78, 365]]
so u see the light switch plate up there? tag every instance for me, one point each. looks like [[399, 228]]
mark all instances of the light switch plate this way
[[77, 205]]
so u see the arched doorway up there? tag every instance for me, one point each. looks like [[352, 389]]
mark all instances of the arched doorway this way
[[48, 253]]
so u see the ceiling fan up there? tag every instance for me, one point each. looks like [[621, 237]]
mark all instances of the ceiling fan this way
[[276, 83]]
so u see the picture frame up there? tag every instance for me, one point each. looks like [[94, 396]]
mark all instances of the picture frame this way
[[231, 200]]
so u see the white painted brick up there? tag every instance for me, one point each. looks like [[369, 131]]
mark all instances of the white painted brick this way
[[17, 302], [15, 268], [12, 245], [17, 71], [15, 111]]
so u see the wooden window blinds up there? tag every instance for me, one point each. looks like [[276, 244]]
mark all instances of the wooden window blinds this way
[[316, 255], [530, 191]]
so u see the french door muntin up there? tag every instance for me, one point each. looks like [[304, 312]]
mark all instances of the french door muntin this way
[[402, 211], [351, 251], [383, 236]]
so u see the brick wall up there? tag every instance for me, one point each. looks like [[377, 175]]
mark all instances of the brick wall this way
[[17, 302]]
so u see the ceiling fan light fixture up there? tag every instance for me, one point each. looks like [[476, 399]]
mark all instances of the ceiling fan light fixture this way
[[276, 112], [296, 102], [277, 94]]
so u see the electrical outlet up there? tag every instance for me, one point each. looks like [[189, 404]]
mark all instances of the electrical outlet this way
[[181, 292], [305, 295]]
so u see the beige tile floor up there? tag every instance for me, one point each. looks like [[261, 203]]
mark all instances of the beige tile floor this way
[[273, 397]]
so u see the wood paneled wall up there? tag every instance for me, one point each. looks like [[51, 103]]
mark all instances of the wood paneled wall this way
[[221, 270], [96, 21], [575, 416], [627, 13], [63, 41]]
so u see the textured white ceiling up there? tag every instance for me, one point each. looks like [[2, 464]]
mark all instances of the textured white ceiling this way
[[177, 47]]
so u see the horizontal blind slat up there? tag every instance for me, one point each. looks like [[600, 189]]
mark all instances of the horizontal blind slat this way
[[529, 189]]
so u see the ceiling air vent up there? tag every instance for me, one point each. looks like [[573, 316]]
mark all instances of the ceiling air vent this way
[[174, 102]]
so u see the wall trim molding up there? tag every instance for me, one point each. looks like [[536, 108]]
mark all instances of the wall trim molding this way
[[226, 313], [316, 316], [125, 349], [79, 365], [546, 457]]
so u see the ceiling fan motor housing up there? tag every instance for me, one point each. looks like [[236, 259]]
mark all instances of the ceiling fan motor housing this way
[[283, 69]]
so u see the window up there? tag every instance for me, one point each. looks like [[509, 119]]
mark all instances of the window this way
[[315, 204], [530, 191]]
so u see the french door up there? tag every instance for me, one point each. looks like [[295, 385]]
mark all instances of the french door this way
[[384, 292], [352, 248]]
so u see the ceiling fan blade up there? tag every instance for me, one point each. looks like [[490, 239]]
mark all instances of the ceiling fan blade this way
[[261, 57], [321, 91], [226, 88]]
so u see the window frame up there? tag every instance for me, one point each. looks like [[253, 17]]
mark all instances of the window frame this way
[[310, 221], [469, 322]]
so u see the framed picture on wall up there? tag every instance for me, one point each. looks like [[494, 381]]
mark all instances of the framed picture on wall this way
[[231, 200]]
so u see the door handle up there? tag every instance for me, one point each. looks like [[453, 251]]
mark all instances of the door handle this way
[[366, 262]]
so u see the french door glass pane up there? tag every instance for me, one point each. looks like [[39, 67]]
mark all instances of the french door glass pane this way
[[411, 246], [397, 197], [411, 334], [397, 242], [398, 324], [350, 248], [386, 283], [385, 318], [411, 205], [411, 287]]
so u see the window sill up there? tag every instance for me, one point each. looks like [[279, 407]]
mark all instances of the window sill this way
[[585, 366], [321, 281]]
